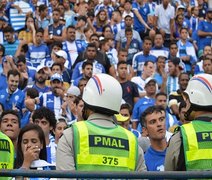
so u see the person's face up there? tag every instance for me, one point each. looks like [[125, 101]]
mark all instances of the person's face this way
[[56, 16], [81, 85], [129, 35], [156, 126], [171, 68], [122, 56], [44, 124], [207, 66], [54, 3], [149, 69], [180, 20], [41, 76], [71, 34], [29, 21], [184, 34], [128, 21], [106, 46], [62, 9], [127, 6], [56, 69], [88, 71], [183, 81], [60, 127], [180, 11], [81, 23], [59, 60], [89, 33], [10, 126], [107, 32], [102, 16], [158, 40], [196, 11], [39, 37], [182, 115], [207, 50], [91, 53], [13, 82], [95, 40], [56, 84], [161, 63], [165, 3], [122, 71], [173, 50], [147, 45], [9, 37], [161, 100], [79, 109], [150, 88], [209, 15], [21, 67], [30, 140]]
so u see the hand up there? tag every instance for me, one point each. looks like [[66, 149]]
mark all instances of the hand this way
[[25, 75]]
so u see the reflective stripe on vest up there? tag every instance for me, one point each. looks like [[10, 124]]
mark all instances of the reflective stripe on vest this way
[[85, 160], [197, 142]]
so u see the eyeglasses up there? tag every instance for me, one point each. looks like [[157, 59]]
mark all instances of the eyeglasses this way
[[58, 56]]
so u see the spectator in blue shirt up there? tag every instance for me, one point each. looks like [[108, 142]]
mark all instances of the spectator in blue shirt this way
[[153, 122]]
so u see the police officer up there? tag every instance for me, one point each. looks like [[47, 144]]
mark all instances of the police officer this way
[[6, 154], [191, 147], [99, 144]]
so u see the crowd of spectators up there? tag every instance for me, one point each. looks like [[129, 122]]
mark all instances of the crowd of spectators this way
[[49, 49]]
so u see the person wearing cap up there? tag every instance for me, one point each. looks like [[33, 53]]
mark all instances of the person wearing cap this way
[[68, 108], [40, 79], [55, 31], [190, 149], [62, 59], [80, 26], [87, 145], [124, 117], [144, 102], [54, 98], [38, 51], [204, 30]]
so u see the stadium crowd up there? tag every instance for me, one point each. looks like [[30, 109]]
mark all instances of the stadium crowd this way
[[50, 50]]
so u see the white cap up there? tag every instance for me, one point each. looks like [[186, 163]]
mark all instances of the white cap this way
[[180, 7], [39, 68], [73, 90], [62, 54], [150, 79]]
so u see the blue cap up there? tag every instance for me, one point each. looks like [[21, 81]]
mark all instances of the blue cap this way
[[56, 76]]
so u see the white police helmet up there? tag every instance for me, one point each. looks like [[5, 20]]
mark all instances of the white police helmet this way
[[103, 92], [199, 90]]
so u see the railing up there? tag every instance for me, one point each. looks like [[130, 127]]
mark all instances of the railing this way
[[110, 175]]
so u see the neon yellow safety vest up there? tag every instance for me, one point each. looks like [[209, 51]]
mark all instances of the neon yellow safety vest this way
[[6, 154], [197, 143], [104, 149]]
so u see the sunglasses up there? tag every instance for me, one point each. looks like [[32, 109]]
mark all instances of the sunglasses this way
[[58, 56]]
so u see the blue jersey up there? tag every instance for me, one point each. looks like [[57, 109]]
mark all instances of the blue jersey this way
[[51, 150], [51, 101], [140, 106], [97, 68], [80, 47], [10, 100], [138, 62], [154, 159], [206, 27], [11, 48], [118, 27], [144, 11], [3, 80], [109, 9], [41, 90], [36, 54], [159, 51]]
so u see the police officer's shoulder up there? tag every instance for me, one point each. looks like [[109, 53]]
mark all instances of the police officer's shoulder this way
[[176, 136]]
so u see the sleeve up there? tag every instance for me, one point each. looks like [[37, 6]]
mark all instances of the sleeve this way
[[172, 153], [172, 13], [135, 90], [65, 151], [134, 6], [157, 11], [76, 73], [200, 26], [141, 166], [135, 113], [135, 63]]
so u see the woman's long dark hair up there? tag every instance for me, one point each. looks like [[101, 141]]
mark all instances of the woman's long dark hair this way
[[19, 155]]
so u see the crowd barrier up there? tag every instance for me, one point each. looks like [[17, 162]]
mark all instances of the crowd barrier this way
[[108, 175]]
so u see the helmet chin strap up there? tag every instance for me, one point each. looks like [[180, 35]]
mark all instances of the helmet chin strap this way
[[189, 115]]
